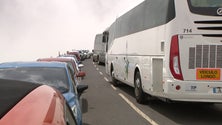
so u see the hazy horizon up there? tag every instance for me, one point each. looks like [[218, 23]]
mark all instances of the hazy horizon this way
[[33, 29]]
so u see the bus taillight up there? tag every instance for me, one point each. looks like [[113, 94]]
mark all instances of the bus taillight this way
[[175, 59]]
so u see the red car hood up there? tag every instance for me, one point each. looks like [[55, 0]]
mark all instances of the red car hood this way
[[42, 106]]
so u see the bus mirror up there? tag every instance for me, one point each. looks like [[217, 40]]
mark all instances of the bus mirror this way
[[104, 39]]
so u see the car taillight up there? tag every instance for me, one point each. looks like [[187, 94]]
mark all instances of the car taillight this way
[[175, 59]]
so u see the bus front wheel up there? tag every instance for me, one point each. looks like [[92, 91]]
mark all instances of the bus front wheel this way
[[114, 81]]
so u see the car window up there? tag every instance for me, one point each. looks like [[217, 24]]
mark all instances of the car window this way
[[55, 77], [70, 65], [71, 73]]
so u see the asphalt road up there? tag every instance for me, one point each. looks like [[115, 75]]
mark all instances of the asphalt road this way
[[104, 104]]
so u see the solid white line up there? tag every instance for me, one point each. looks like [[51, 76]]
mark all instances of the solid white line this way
[[113, 87], [106, 79], [138, 110], [100, 73]]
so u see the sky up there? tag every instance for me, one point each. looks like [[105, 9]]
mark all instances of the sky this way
[[32, 29]]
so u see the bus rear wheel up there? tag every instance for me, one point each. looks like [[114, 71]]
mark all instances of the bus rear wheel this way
[[139, 94]]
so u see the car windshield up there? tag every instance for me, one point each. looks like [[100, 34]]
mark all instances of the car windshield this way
[[55, 77]]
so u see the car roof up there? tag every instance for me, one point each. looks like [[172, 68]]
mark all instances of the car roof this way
[[32, 64], [69, 58], [54, 59]]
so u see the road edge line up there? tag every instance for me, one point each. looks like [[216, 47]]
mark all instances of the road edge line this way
[[138, 110]]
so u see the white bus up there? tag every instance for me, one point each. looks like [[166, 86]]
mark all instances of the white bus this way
[[170, 49], [99, 50]]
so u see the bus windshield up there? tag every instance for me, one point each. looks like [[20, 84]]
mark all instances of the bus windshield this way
[[206, 3], [206, 7]]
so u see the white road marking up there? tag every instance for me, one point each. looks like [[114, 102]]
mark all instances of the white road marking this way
[[113, 87], [106, 79], [97, 68], [100, 73], [138, 110]]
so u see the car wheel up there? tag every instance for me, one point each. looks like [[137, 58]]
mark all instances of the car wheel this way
[[139, 94]]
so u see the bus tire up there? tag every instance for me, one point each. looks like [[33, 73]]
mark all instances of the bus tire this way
[[114, 81], [139, 94], [98, 61]]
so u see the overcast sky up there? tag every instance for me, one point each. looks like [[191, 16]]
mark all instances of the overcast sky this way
[[30, 29]]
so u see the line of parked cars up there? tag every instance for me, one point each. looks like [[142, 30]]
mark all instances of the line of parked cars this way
[[55, 76], [80, 54]]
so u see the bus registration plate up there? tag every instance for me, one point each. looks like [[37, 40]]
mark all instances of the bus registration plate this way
[[217, 90], [208, 74]]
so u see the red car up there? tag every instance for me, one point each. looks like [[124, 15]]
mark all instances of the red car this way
[[76, 53], [70, 61], [25, 103]]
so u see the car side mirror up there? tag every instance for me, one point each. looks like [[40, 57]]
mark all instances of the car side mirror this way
[[81, 74], [81, 88], [80, 66]]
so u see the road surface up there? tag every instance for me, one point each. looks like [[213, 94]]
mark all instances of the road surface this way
[[104, 104]]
